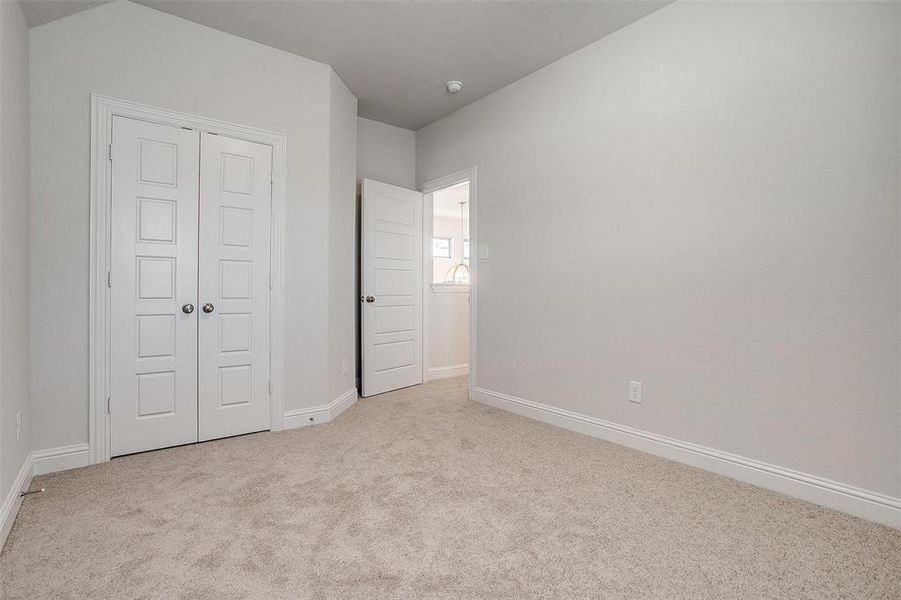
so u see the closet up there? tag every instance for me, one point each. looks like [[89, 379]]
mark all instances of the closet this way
[[189, 286]]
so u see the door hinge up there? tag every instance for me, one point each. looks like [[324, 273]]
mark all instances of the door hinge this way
[[270, 387], [108, 408], [109, 278], [270, 281], [109, 151]]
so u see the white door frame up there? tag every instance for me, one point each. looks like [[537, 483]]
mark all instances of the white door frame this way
[[103, 108], [430, 187]]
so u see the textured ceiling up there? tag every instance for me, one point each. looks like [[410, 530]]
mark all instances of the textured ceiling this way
[[396, 56], [446, 202], [38, 12]]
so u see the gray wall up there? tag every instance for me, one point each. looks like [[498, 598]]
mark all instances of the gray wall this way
[[342, 237], [14, 336], [385, 153], [132, 52], [705, 201]]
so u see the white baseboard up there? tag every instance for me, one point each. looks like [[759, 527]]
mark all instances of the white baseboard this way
[[448, 371], [322, 413], [52, 460], [831, 494], [302, 417], [342, 403], [11, 503], [64, 458]]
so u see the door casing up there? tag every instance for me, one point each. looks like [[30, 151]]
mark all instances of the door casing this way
[[103, 109]]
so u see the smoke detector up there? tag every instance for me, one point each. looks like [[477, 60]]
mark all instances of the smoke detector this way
[[454, 87]]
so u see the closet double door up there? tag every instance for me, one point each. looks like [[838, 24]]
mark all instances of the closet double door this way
[[189, 286]]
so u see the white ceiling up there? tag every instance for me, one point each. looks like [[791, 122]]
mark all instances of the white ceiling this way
[[38, 12], [446, 202], [396, 56]]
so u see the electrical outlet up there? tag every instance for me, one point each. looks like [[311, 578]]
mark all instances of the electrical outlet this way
[[635, 392], [18, 427]]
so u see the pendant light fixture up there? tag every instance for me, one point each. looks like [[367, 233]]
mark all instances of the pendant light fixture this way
[[459, 273]]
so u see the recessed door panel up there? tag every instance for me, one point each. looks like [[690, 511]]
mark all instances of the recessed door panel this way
[[392, 209], [236, 331], [237, 226], [235, 279], [153, 258], [233, 318], [157, 162], [393, 282], [393, 319], [396, 246], [156, 220], [156, 336], [156, 394], [394, 355], [156, 277]]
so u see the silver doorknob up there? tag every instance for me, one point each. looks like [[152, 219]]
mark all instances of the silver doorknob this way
[[370, 299], [187, 309], [208, 308]]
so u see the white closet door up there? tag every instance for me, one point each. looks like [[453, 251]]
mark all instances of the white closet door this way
[[391, 274], [153, 283], [233, 317]]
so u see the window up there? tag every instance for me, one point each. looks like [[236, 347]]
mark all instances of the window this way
[[466, 249], [443, 247]]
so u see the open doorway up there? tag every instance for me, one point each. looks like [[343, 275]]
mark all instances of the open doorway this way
[[412, 332], [447, 280]]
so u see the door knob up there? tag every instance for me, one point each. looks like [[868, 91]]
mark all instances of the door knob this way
[[370, 299], [208, 308], [187, 309]]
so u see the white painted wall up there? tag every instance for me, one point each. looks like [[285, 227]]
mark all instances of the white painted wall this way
[[448, 333], [132, 52], [14, 336], [342, 237], [448, 311], [706, 201], [385, 153]]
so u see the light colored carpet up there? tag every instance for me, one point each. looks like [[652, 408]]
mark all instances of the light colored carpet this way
[[424, 494]]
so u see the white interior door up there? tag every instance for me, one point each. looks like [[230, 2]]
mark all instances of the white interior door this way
[[391, 274], [153, 275], [233, 311]]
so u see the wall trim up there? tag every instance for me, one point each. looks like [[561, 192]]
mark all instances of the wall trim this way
[[51, 460], [103, 109], [825, 492], [11, 503], [450, 288], [447, 371], [322, 413]]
